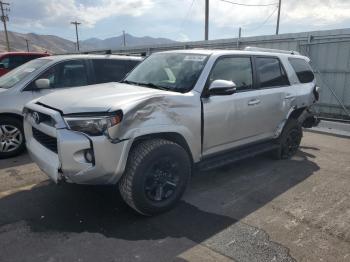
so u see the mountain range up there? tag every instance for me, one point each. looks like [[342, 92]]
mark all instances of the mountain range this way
[[57, 45]]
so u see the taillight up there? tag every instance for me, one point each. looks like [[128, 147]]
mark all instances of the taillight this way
[[316, 93]]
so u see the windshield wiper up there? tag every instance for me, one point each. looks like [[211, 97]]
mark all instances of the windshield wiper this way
[[130, 82], [151, 85]]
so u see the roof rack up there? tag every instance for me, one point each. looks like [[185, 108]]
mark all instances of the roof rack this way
[[260, 49]]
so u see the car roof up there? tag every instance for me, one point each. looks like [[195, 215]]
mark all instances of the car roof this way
[[91, 56], [221, 52]]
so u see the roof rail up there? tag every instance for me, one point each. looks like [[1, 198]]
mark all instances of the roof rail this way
[[260, 49]]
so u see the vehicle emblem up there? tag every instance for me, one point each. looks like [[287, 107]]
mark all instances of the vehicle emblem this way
[[36, 118]]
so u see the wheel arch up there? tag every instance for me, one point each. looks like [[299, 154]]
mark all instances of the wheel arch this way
[[171, 136], [12, 115], [296, 113]]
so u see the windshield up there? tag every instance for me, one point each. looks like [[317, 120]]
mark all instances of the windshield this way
[[169, 71], [16, 75]]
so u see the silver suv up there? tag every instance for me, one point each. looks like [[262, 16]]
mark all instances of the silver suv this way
[[176, 111], [44, 76]]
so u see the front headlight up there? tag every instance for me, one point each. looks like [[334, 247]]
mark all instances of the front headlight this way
[[94, 125]]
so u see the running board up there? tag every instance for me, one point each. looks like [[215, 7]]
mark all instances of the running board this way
[[236, 155]]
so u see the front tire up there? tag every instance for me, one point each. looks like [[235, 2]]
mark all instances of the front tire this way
[[12, 141], [289, 140], [156, 176]]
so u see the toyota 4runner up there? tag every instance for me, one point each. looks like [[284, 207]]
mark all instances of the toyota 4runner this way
[[176, 111]]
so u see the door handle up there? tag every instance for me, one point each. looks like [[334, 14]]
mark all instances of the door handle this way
[[254, 102]]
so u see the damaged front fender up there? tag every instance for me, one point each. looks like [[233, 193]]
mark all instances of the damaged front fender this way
[[171, 113]]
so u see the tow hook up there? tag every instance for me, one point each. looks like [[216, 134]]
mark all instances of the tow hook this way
[[61, 179]]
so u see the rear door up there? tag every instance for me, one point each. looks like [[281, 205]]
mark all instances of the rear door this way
[[110, 70], [276, 95]]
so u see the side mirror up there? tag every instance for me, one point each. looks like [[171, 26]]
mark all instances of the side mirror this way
[[222, 87], [42, 83], [2, 66]]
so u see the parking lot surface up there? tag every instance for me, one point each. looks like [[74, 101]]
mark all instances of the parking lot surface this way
[[256, 210]]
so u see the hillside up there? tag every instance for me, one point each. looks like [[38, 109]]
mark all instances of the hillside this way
[[55, 44]]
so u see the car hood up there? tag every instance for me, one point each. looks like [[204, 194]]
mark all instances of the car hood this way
[[98, 98]]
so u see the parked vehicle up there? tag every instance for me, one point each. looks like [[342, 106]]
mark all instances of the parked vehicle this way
[[11, 60], [175, 111], [47, 75]]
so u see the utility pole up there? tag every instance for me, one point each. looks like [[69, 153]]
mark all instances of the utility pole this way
[[239, 36], [4, 19], [206, 34], [76, 32], [278, 17], [124, 40], [27, 42]]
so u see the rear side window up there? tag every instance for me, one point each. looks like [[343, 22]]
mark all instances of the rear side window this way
[[110, 70], [270, 72], [15, 61], [31, 57], [302, 69], [131, 65]]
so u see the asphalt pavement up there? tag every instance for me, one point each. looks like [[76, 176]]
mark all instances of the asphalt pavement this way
[[256, 210]]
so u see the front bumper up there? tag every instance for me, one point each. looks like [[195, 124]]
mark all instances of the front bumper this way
[[67, 162]]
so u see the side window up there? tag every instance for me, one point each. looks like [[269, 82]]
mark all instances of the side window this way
[[31, 57], [109, 70], [302, 69], [5, 61], [236, 69], [67, 74], [131, 65], [270, 72], [15, 61]]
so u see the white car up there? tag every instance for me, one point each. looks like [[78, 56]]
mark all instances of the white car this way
[[46, 75]]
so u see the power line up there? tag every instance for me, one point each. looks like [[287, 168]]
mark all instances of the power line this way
[[187, 14], [235, 3], [76, 32], [4, 19], [265, 21]]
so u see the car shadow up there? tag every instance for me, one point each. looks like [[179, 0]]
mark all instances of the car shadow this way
[[22, 159], [215, 201]]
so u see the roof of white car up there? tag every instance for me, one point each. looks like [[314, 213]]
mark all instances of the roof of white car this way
[[233, 52], [92, 56]]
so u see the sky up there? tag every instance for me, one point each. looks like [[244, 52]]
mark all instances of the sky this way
[[181, 20]]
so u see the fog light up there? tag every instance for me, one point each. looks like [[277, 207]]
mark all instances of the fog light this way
[[89, 156]]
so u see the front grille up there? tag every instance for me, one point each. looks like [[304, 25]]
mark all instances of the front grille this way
[[44, 118], [47, 141]]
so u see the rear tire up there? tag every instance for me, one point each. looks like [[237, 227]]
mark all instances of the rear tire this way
[[156, 176], [12, 142], [289, 140]]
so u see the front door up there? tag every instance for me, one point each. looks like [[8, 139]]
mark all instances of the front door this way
[[230, 120], [63, 75]]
